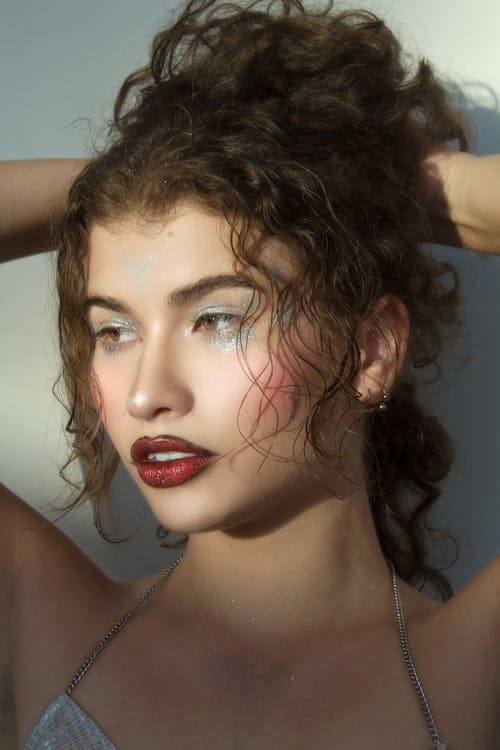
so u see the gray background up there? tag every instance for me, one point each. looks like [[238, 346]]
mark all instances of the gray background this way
[[61, 62]]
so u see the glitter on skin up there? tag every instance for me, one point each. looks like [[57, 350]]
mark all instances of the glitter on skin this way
[[230, 336], [142, 268], [227, 341]]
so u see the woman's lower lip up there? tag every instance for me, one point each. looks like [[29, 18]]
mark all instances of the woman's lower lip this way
[[172, 473]]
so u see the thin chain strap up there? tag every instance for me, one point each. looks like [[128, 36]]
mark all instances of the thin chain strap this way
[[117, 627], [429, 718]]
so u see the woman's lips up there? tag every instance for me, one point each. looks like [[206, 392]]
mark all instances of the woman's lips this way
[[167, 461], [172, 473]]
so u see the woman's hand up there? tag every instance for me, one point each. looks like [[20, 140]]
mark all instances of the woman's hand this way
[[32, 197], [461, 196]]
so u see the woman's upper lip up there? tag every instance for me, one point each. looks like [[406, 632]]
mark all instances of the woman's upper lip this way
[[144, 446]]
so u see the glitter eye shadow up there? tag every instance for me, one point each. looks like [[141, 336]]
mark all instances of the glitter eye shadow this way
[[115, 322], [226, 339]]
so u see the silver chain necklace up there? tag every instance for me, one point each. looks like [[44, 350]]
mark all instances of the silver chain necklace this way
[[118, 626], [415, 680]]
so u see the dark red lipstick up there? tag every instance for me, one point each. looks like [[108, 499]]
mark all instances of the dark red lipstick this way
[[159, 464]]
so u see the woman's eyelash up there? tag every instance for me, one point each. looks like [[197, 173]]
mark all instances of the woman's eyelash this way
[[208, 322], [105, 336], [210, 318]]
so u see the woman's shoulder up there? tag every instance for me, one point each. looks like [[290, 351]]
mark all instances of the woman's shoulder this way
[[478, 602], [53, 600], [456, 649], [474, 614], [469, 622], [37, 559], [45, 578], [460, 643]]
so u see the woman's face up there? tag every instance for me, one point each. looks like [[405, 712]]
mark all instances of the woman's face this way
[[176, 392]]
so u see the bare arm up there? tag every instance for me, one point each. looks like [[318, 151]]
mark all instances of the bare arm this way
[[32, 195], [47, 589], [461, 194]]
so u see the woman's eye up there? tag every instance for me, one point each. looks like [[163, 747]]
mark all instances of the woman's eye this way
[[112, 337], [215, 322]]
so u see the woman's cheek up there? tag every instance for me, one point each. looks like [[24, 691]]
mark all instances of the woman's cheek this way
[[274, 400], [107, 393]]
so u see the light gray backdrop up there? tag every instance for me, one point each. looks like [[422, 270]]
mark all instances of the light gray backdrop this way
[[61, 62]]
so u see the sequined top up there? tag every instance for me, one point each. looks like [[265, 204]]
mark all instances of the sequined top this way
[[66, 726]]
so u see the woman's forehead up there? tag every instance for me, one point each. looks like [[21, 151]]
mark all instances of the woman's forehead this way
[[187, 238]]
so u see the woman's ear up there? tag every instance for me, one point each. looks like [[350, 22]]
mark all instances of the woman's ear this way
[[382, 340]]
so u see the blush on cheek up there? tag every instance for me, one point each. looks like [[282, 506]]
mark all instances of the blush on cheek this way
[[106, 397], [275, 402]]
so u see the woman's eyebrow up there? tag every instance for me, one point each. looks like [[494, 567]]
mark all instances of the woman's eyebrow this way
[[177, 297], [110, 303], [203, 286]]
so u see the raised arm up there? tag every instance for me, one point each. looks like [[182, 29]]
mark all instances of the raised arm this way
[[32, 196], [461, 194]]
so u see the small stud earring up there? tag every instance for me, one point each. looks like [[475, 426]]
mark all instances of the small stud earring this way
[[382, 406]]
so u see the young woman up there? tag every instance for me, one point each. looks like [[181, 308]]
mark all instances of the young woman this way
[[244, 309]]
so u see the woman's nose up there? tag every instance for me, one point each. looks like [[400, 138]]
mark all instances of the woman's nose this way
[[158, 387]]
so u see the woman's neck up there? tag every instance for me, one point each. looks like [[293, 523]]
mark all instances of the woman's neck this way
[[322, 569]]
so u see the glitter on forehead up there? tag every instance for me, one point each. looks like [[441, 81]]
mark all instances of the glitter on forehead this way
[[141, 269]]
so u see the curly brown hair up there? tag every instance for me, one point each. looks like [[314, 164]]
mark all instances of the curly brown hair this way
[[299, 124]]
